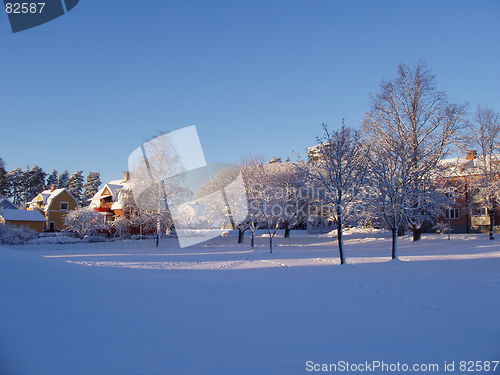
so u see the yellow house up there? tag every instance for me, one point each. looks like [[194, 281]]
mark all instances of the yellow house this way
[[23, 218], [54, 204]]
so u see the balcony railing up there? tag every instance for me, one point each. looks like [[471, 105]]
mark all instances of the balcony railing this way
[[103, 209]]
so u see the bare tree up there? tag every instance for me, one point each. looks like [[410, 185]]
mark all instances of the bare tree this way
[[265, 209], [156, 173], [390, 175], [289, 186], [340, 172], [411, 111]]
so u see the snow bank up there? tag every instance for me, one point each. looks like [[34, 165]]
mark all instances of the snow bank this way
[[55, 240]]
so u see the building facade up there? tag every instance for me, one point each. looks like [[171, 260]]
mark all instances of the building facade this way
[[54, 204]]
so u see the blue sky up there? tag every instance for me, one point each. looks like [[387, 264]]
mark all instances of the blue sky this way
[[256, 77]]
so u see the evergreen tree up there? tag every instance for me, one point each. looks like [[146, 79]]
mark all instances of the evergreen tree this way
[[91, 187], [3, 179], [14, 185], [62, 179], [53, 179], [32, 183], [75, 186]]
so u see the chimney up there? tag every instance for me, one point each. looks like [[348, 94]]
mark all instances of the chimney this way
[[52, 187], [126, 176], [471, 154]]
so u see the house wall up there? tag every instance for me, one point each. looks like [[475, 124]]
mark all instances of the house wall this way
[[38, 226], [54, 212], [465, 201]]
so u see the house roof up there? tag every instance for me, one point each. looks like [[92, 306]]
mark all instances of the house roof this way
[[114, 187], [5, 203], [21, 215], [48, 196], [462, 166]]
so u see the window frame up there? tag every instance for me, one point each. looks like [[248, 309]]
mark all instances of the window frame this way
[[456, 213]]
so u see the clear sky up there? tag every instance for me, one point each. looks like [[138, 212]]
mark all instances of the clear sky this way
[[256, 77]]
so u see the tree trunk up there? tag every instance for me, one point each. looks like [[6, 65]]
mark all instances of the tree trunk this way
[[340, 239], [417, 233], [240, 235], [252, 243], [492, 225], [394, 243], [287, 232], [270, 244]]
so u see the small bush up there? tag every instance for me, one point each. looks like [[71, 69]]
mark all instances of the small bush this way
[[14, 235]]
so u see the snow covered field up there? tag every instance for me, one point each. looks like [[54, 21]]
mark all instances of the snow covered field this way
[[126, 307]]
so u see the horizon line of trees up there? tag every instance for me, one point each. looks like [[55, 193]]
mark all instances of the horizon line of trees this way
[[22, 185]]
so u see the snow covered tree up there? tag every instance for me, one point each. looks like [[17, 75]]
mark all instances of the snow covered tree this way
[[411, 111], [91, 187], [250, 169], [134, 215], [340, 173], [145, 220], [217, 212], [121, 225], [157, 180], [3, 180], [75, 186], [265, 208], [15, 187], [52, 179], [84, 222], [32, 183], [289, 182], [389, 197], [484, 133], [62, 180]]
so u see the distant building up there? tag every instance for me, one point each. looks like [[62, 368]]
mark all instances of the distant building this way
[[23, 218], [5, 203], [54, 204], [109, 200], [468, 212]]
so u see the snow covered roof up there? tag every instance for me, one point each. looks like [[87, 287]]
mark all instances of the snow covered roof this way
[[117, 205], [48, 196], [5, 203], [111, 189], [463, 166], [21, 215]]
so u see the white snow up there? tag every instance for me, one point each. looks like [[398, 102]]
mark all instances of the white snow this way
[[218, 308], [55, 240], [21, 215]]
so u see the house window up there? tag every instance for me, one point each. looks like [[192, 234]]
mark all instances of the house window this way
[[64, 206], [481, 211], [452, 213]]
